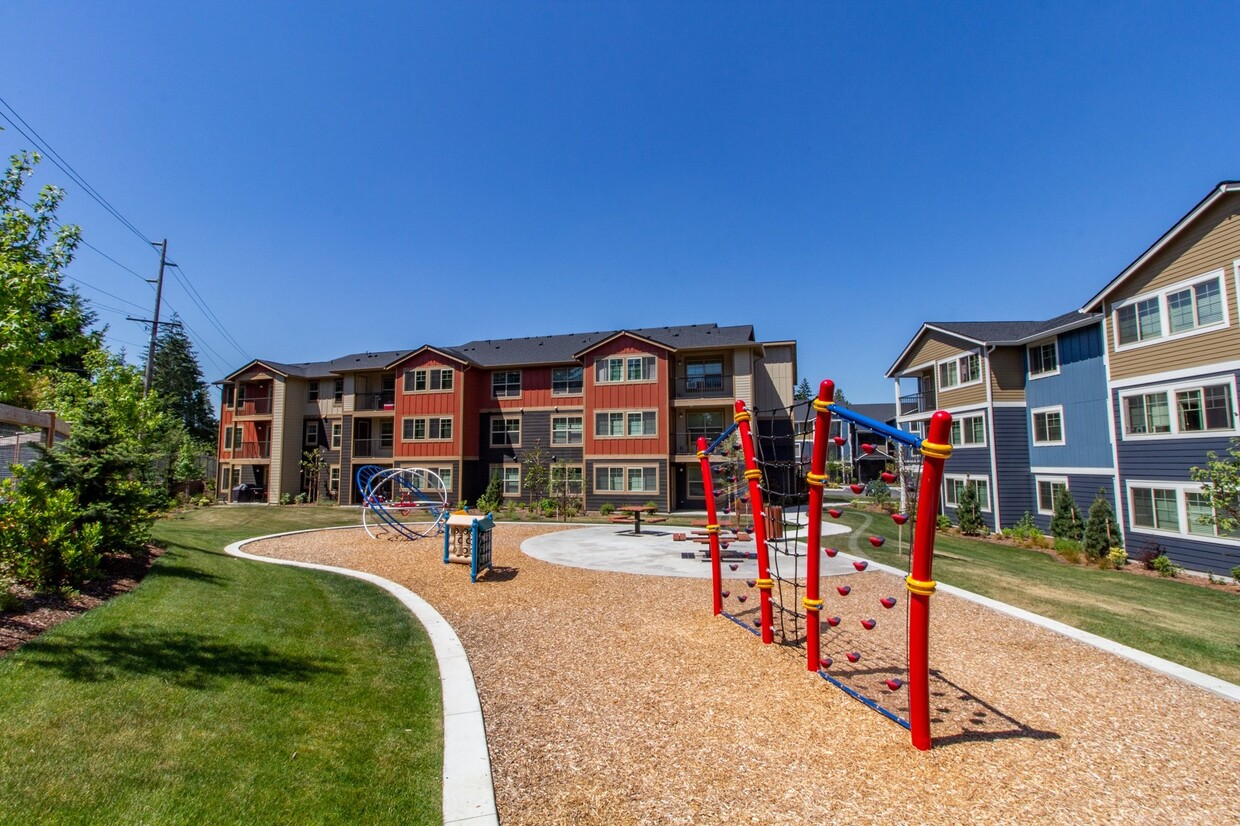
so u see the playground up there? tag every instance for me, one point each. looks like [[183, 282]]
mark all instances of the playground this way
[[615, 697]]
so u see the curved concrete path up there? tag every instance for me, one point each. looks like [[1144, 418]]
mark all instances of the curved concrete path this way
[[468, 794]]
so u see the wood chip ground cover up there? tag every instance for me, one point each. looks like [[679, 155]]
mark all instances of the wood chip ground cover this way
[[617, 698]]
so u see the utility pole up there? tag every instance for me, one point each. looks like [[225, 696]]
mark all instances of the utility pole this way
[[159, 290]]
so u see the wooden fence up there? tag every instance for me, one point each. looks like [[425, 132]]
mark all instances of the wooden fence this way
[[21, 430]]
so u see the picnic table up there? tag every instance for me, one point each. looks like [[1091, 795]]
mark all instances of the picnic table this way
[[636, 511]]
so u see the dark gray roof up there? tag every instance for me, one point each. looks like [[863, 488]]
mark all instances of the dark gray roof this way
[[328, 369], [563, 349], [879, 412], [1008, 332]]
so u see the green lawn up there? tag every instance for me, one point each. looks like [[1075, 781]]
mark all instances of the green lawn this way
[[1197, 627], [226, 691]]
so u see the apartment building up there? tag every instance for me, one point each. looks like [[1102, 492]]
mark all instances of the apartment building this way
[[615, 414]]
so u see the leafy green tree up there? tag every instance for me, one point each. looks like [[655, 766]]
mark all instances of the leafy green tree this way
[[536, 473], [1101, 532], [969, 511], [44, 542], [1220, 482], [43, 324], [177, 377], [313, 463], [1066, 523]]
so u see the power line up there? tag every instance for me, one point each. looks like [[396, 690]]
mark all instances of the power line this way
[[105, 292], [183, 279]]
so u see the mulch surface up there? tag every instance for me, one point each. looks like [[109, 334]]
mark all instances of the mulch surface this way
[[35, 613], [616, 698]]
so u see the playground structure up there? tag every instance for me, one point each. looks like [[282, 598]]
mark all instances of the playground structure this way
[[394, 501], [790, 599], [467, 540]]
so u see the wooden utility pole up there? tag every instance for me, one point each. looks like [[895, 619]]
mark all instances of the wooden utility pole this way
[[159, 290]]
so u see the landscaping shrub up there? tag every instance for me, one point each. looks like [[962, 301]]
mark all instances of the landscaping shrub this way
[[1069, 550], [879, 492], [1164, 566], [1118, 558], [1235, 574], [1101, 534], [969, 512], [491, 498], [1066, 523], [943, 522], [549, 507], [1148, 553], [607, 509], [286, 498], [44, 541], [1024, 530]]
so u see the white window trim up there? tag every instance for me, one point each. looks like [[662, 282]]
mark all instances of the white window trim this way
[[1029, 362], [427, 437], [969, 445], [567, 416], [1058, 480], [562, 393], [491, 431], [1063, 426], [503, 467], [981, 371], [624, 370], [1171, 389], [1164, 321], [1180, 489], [520, 384], [624, 423], [626, 468], [968, 477]]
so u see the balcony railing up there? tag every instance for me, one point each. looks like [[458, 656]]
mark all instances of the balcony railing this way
[[704, 387], [373, 448], [253, 450], [916, 402], [254, 407], [383, 400]]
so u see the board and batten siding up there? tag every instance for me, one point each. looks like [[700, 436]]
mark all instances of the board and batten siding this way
[[1213, 243], [288, 426], [1011, 448], [1080, 389], [775, 377]]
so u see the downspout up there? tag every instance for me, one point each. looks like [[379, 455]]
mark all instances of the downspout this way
[[1116, 487], [990, 426]]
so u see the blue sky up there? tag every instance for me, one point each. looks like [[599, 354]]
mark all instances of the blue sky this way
[[338, 177]]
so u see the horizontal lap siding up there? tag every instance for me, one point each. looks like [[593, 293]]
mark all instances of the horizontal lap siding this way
[[1007, 374], [1083, 488], [973, 462], [935, 346], [1185, 552], [596, 499]]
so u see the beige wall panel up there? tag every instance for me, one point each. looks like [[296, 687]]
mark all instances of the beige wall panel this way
[[296, 391], [1195, 351], [1007, 374], [958, 396], [934, 346], [774, 379]]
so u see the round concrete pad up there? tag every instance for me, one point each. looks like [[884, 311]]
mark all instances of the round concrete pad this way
[[655, 553]]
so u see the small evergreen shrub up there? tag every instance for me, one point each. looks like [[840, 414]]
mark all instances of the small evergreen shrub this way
[[1066, 523], [286, 498], [1164, 566], [969, 512], [1101, 533], [607, 509], [491, 498], [1235, 574], [879, 492], [942, 522]]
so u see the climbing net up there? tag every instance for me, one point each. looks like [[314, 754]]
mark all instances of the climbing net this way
[[854, 638]]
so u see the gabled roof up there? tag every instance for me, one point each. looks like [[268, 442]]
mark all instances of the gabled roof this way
[[1220, 191], [621, 334], [999, 333], [322, 369], [427, 348]]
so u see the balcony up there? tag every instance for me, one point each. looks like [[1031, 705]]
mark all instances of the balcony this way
[[253, 450], [922, 402], [254, 407], [373, 448], [704, 387], [383, 400], [687, 442]]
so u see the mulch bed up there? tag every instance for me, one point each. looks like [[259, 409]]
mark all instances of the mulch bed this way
[[35, 613], [616, 698]]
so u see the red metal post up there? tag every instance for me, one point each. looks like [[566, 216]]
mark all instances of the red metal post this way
[[936, 449], [753, 475], [813, 544], [712, 527]]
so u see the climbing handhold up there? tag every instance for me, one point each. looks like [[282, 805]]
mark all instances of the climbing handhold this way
[[834, 513], [844, 590], [717, 492], [833, 621], [861, 564], [877, 541], [853, 656], [742, 597], [825, 662], [899, 518], [887, 476], [725, 545], [868, 448], [839, 440], [888, 602], [868, 624], [855, 488], [831, 552], [757, 621], [733, 565], [725, 594], [752, 582], [895, 683]]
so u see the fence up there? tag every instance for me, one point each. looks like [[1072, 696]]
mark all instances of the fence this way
[[22, 431]]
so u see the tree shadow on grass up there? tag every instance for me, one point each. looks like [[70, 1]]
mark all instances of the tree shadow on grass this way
[[187, 660], [191, 574]]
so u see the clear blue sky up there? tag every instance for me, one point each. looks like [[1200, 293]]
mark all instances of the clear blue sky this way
[[336, 177]]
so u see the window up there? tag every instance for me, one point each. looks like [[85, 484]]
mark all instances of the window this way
[[1197, 306], [641, 368], [1043, 359], [641, 423], [704, 375], [385, 433], [228, 434], [509, 477], [1172, 507], [312, 433], [1199, 513], [566, 430], [632, 368], [1048, 490], [609, 370], [1200, 409], [445, 476], [505, 431], [956, 484], [228, 395], [1178, 310], [609, 423], [430, 379], [620, 479], [1139, 322], [969, 431], [1155, 508], [338, 392], [435, 428], [566, 381], [313, 393], [566, 479], [958, 371], [334, 478], [335, 435], [236, 477], [1048, 426], [506, 384], [237, 436]]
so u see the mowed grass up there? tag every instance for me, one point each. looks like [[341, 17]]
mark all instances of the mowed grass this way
[[1188, 624], [226, 691]]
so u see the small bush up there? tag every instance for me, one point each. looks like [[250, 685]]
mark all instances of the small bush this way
[[9, 601], [969, 512], [942, 522], [1025, 529], [1235, 574], [879, 492], [1067, 523], [43, 542], [1148, 553], [1068, 549], [302, 498], [652, 505], [607, 509], [549, 507], [1118, 558], [286, 498], [1164, 566]]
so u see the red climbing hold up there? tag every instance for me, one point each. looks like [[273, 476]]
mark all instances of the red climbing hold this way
[[825, 662], [868, 624], [858, 489], [899, 518], [895, 683], [834, 513], [733, 565], [868, 448], [877, 541], [757, 621], [853, 656], [861, 564], [752, 582], [725, 545], [742, 597], [888, 602], [887, 476], [839, 440], [725, 594], [831, 552], [833, 621], [844, 590]]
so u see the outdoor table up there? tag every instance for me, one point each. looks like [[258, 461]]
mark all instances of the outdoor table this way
[[637, 511]]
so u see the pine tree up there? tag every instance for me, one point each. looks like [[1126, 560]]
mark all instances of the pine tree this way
[[1067, 522], [969, 511], [1102, 533], [802, 392], [177, 378]]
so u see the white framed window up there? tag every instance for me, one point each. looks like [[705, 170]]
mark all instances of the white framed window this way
[[1181, 508], [509, 477], [1048, 488], [1048, 426], [641, 423], [567, 381], [1187, 308], [338, 391], [567, 430], [640, 368], [1044, 359], [336, 430], [505, 431], [428, 380], [959, 371], [333, 478], [228, 437], [506, 384], [633, 423], [312, 433], [969, 431], [625, 369], [626, 479], [566, 479], [1200, 408], [426, 428], [607, 371], [954, 485], [313, 392]]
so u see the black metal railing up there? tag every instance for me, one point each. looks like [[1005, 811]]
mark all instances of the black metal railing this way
[[916, 402], [704, 386], [376, 448], [383, 400]]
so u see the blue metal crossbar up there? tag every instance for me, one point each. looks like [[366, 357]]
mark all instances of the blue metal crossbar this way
[[902, 436], [725, 434]]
